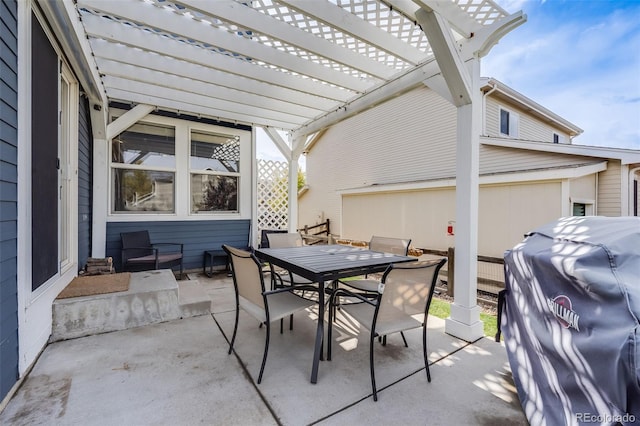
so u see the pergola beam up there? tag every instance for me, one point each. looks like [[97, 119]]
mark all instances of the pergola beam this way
[[445, 50], [456, 17], [348, 23], [180, 106], [183, 26], [106, 33], [374, 97], [280, 143], [128, 119], [260, 23], [113, 59], [198, 87]]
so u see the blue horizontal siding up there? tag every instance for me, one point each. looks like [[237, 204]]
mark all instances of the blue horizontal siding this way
[[85, 182], [8, 196], [197, 236]]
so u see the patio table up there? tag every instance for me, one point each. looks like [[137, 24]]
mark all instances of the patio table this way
[[326, 263]]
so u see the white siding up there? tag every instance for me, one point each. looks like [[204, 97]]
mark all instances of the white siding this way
[[409, 138], [609, 190], [506, 213], [495, 159], [530, 128], [583, 188]]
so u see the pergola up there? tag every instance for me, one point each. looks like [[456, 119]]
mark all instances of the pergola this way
[[294, 65]]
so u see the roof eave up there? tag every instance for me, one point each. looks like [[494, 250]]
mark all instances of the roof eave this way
[[527, 103]]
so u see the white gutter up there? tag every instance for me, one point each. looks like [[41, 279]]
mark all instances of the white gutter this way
[[533, 107], [494, 87], [626, 156], [552, 174]]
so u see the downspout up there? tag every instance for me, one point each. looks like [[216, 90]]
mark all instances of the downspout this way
[[632, 201], [494, 87]]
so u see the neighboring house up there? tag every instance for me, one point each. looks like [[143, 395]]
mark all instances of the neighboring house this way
[[398, 178]]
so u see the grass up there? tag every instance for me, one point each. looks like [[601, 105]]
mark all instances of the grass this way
[[442, 309]]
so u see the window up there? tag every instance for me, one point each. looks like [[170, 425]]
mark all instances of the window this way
[[582, 207], [557, 138], [185, 167], [215, 172], [508, 123], [143, 165]]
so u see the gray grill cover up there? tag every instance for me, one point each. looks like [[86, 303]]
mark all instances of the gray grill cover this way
[[570, 321]]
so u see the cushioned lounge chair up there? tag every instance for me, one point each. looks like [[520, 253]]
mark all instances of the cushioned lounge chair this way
[[139, 254]]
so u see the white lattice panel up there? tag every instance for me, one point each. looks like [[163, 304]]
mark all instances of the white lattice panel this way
[[273, 194]]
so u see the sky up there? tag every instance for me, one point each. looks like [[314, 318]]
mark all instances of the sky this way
[[581, 60], [578, 58]]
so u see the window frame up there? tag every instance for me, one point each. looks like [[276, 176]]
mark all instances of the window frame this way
[[513, 122], [126, 166], [194, 171], [589, 205], [182, 177]]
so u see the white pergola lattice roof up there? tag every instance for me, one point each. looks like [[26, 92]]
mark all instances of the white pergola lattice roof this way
[[280, 64]]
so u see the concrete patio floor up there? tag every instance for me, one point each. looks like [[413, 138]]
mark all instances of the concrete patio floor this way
[[179, 373]]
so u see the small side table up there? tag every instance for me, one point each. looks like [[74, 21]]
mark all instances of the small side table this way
[[207, 261]]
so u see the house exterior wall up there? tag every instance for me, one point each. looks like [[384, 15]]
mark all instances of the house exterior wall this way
[[610, 190], [507, 212], [583, 189], [530, 128], [412, 139], [424, 215], [8, 196], [495, 159], [85, 182], [197, 236], [400, 144]]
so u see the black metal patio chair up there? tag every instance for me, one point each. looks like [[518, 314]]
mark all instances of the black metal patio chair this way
[[405, 293], [252, 297]]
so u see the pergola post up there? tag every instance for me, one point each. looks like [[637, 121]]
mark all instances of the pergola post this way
[[464, 321], [291, 155], [298, 145], [463, 90]]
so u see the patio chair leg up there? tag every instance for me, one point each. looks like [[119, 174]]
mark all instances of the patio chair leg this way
[[291, 322], [424, 351], [404, 339], [330, 331], [235, 330], [281, 325], [373, 374], [266, 350]]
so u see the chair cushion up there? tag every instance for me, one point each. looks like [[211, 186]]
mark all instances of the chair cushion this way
[[162, 258]]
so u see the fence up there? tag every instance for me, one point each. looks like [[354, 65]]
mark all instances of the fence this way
[[490, 271], [317, 234]]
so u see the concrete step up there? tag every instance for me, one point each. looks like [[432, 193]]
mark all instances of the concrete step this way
[[192, 299], [153, 296]]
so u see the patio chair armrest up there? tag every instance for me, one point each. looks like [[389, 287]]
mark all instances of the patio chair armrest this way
[[345, 292], [152, 249], [290, 288]]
